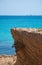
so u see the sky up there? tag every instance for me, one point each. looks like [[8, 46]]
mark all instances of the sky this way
[[20, 7]]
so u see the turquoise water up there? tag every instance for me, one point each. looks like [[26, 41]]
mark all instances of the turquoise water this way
[[8, 22]]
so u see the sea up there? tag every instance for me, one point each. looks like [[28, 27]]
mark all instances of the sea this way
[[9, 22]]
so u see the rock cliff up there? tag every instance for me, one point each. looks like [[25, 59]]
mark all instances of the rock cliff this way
[[28, 46]]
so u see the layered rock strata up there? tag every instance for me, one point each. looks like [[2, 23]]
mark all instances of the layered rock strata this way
[[28, 46]]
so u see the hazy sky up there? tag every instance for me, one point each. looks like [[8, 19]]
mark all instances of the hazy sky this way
[[20, 7]]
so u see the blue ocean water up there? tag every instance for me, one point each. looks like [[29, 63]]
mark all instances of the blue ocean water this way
[[6, 50], [8, 22]]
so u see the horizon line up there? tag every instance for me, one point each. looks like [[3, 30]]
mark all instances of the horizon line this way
[[20, 15]]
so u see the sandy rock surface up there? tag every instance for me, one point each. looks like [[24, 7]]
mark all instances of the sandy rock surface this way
[[7, 60]]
